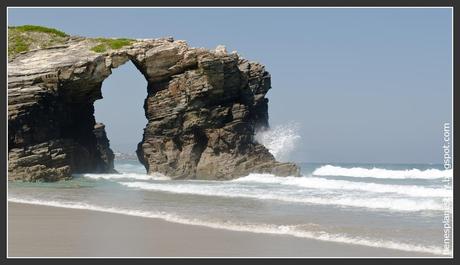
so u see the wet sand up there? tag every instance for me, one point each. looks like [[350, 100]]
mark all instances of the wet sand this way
[[43, 231]]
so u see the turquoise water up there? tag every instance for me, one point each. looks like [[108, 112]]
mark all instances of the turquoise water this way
[[389, 206]]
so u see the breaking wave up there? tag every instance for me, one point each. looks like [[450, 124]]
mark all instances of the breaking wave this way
[[280, 140], [338, 198], [137, 176], [359, 172], [329, 184]]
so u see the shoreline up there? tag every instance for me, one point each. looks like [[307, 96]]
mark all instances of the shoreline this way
[[48, 231]]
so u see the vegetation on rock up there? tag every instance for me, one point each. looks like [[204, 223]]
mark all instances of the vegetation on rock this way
[[28, 37], [114, 44], [34, 28]]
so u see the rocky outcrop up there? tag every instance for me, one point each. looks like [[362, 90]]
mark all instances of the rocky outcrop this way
[[103, 146], [203, 107]]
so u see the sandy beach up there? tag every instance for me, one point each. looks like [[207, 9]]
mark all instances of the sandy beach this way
[[43, 231]]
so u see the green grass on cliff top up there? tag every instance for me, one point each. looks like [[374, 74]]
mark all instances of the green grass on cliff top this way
[[28, 37], [34, 28], [114, 44]]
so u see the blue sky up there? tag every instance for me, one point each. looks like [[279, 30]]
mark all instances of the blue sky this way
[[365, 85]]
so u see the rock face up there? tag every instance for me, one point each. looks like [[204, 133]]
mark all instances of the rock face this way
[[103, 146], [203, 107]]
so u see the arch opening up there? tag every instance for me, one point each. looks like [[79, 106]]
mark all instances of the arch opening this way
[[119, 113]]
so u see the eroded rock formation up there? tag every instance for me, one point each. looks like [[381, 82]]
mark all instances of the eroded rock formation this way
[[203, 107], [103, 146]]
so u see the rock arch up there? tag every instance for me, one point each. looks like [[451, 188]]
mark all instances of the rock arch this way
[[203, 107]]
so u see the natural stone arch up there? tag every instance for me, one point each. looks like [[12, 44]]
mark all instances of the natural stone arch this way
[[202, 107]]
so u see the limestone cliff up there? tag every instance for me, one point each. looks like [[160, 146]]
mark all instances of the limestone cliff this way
[[203, 107]]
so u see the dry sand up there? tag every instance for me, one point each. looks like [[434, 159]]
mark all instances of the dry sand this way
[[43, 231]]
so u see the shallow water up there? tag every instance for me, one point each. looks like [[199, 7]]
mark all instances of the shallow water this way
[[349, 203]]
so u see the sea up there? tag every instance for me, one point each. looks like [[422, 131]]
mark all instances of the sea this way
[[391, 206]]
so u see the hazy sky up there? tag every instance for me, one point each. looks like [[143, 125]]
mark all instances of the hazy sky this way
[[364, 85]]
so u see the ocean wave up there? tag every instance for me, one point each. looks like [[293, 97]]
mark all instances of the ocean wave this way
[[395, 204], [280, 140], [358, 172], [327, 184], [137, 176], [290, 230]]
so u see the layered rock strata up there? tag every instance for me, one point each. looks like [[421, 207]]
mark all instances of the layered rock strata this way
[[203, 107], [103, 146]]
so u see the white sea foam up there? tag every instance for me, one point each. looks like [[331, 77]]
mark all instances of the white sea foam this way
[[290, 230], [137, 176], [329, 184], [280, 140], [338, 199], [358, 172]]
